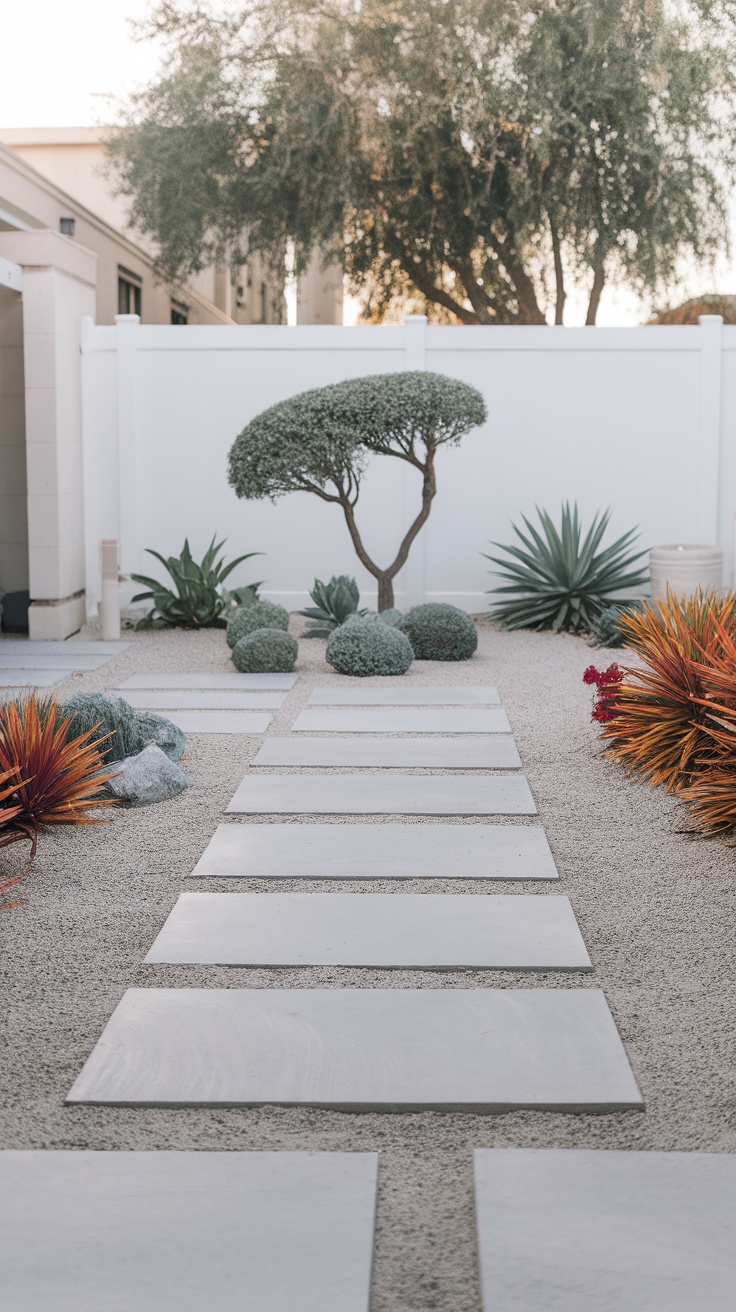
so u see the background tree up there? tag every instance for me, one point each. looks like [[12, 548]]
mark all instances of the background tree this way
[[473, 152], [320, 441]]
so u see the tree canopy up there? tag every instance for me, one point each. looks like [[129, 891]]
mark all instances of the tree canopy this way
[[320, 441], [480, 153]]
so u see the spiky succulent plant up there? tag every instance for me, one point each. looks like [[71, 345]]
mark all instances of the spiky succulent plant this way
[[558, 579], [333, 603]]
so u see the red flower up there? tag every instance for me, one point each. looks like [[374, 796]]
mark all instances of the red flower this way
[[607, 683]]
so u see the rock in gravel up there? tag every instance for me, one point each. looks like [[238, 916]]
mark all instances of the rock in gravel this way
[[148, 777]]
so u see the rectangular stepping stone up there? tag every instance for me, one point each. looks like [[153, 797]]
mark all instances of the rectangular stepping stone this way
[[409, 851], [483, 753], [216, 680], [40, 661], [206, 701], [187, 1231], [382, 794], [219, 721], [425, 931], [355, 1049], [351, 696], [410, 719], [579, 1230], [32, 678], [54, 647]]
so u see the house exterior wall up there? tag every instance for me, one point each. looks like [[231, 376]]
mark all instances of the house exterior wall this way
[[13, 516]]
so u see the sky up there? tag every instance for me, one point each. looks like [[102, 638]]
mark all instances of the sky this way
[[67, 64]]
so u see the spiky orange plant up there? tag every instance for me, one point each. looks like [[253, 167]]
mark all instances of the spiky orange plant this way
[[660, 722], [712, 791], [59, 781]]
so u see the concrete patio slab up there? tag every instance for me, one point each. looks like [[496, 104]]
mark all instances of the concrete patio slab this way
[[602, 1231], [32, 678], [187, 1231], [347, 695], [497, 752], [205, 701], [352, 1049], [210, 679], [418, 719], [220, 721], [424, 931], [382, 794], [392, 851], [69, 659], [53, 647]]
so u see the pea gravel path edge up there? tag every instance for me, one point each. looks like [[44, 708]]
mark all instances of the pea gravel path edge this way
[[655, 908]]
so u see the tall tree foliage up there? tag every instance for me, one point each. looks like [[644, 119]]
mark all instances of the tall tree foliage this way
[[474, 152]]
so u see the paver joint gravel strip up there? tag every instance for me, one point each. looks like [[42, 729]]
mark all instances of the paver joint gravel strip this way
[[426, 931], [187, 1231], [391, 696], [402, 719], [382, 794], [375, 851], [492, 752], [606, 1231], [355, 1049]]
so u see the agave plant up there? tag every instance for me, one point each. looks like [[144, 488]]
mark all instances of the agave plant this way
[[558, 579], [333, 603], [57, 781], [200, 598]]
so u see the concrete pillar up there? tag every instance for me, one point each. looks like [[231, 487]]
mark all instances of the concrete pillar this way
[[13, 504], [59, 280]]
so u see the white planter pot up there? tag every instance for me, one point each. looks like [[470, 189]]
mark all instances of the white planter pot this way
[[685, 569]]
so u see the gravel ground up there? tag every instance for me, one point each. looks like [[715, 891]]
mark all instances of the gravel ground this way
[[655, 909]]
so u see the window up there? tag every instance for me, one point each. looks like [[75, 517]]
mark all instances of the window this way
[[179, 312], [129, 291], [67, 226]]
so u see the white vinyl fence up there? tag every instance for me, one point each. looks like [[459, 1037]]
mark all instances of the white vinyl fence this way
[[639, 419]]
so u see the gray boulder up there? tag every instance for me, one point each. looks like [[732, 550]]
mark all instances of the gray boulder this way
[[148, 777]]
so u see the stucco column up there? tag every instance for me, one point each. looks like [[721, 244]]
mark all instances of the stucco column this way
[[59, 279]]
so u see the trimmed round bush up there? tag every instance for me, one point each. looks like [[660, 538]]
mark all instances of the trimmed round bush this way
[[267, 651], [261, 615], [363, 646], [130, 730], [438, 632]]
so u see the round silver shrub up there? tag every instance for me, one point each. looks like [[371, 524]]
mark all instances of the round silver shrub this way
[[438, 632], [364, 646], [267, 651], [261, 615], [125, 730]]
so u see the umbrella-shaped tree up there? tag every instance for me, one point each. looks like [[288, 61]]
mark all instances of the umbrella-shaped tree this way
[[320, 442]]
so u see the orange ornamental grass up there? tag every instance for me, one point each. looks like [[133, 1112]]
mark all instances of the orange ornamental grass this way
[[57, 781], [661, 725], [712, 792]]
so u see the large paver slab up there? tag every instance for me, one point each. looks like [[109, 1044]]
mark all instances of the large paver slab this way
[[489, 752], [32, 678], [186, 1231], [409, 719], [426, 931], [347, 695], [205, 701], [220, 721], [54, 647], [382, 794], [606, 1231], [391, 851], [66, 660], [482, 1049], [210, 679]]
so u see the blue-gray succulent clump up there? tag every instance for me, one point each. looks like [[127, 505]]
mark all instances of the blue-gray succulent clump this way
[[126, 730], [363, 646], [261, 615], [438, 632], [267, 651]]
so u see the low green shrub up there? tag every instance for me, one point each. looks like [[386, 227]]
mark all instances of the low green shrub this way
[[364, 646], [605, 627], [438, 632], [261, 615], [267, 651], [130, 730]]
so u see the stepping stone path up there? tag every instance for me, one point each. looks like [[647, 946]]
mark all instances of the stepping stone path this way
[[487, 753], [32, 678], [374, 794], [187, 1231], [205, 701], [210, 702], [360, 851], [33, 664], [480, 1049], [598, 1231], [427, 931], [219, 721], [351, 1049]]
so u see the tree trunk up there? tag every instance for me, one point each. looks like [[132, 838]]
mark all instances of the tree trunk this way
[[561, 295], [385, 593], [599, 278]]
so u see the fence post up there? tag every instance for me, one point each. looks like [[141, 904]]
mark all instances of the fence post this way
[[127, 344], [413, 575], [707, 474]]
